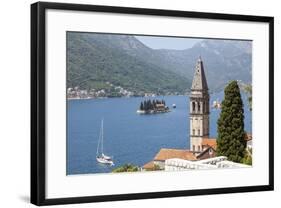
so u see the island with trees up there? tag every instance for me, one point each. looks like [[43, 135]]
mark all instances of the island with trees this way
[[153, 107]]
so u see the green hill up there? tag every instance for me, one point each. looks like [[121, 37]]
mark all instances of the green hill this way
[[95, 60]]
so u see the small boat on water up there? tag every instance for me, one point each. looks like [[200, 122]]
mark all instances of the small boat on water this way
[[100, 156], [174, 105]]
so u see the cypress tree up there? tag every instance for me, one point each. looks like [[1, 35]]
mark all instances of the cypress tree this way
[[145, 105], [149, 104], [230, 125], [154, 104], [141, 106]]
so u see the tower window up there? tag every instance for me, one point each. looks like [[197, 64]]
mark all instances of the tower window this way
[[198, 132], [203, 106], [193, 132], [198, 107], [193, 147], [198, 147], [193, 106]]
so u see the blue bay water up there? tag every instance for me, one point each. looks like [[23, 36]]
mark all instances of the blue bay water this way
[[129, 137]]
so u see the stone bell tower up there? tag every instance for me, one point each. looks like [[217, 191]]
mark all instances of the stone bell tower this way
[[199, 108]]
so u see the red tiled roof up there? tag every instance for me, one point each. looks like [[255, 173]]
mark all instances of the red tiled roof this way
[[211, 142], [149, 165], [165, 154]]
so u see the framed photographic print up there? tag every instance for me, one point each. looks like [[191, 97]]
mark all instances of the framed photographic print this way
[[131, 103]]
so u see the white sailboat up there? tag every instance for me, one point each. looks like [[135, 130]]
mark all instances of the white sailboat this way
[[100, 156]]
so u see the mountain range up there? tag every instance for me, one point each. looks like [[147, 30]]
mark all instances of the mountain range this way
[[96, 60]]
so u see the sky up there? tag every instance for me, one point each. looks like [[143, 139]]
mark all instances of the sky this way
[[167, 42]]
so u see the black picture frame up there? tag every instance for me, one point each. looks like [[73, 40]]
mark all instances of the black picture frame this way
[[38, 102]]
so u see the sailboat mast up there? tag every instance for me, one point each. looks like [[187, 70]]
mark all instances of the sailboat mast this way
[[102, 136], [98, 144], [100, 141]]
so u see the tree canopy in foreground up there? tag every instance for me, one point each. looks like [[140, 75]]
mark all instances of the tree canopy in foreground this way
[[230, 125]]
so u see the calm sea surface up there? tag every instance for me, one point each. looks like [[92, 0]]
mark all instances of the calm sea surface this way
[[129, 137]]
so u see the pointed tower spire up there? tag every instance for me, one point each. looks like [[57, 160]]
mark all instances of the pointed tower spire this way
[[199, 80]]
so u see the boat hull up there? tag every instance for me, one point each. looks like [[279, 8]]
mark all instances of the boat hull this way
[[104, 161]]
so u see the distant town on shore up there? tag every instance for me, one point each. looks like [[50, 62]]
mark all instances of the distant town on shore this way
[[117, 91]]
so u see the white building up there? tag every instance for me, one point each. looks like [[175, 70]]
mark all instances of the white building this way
[[176, 164]]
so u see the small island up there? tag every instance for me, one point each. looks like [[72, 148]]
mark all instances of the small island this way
[[153, 107]]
